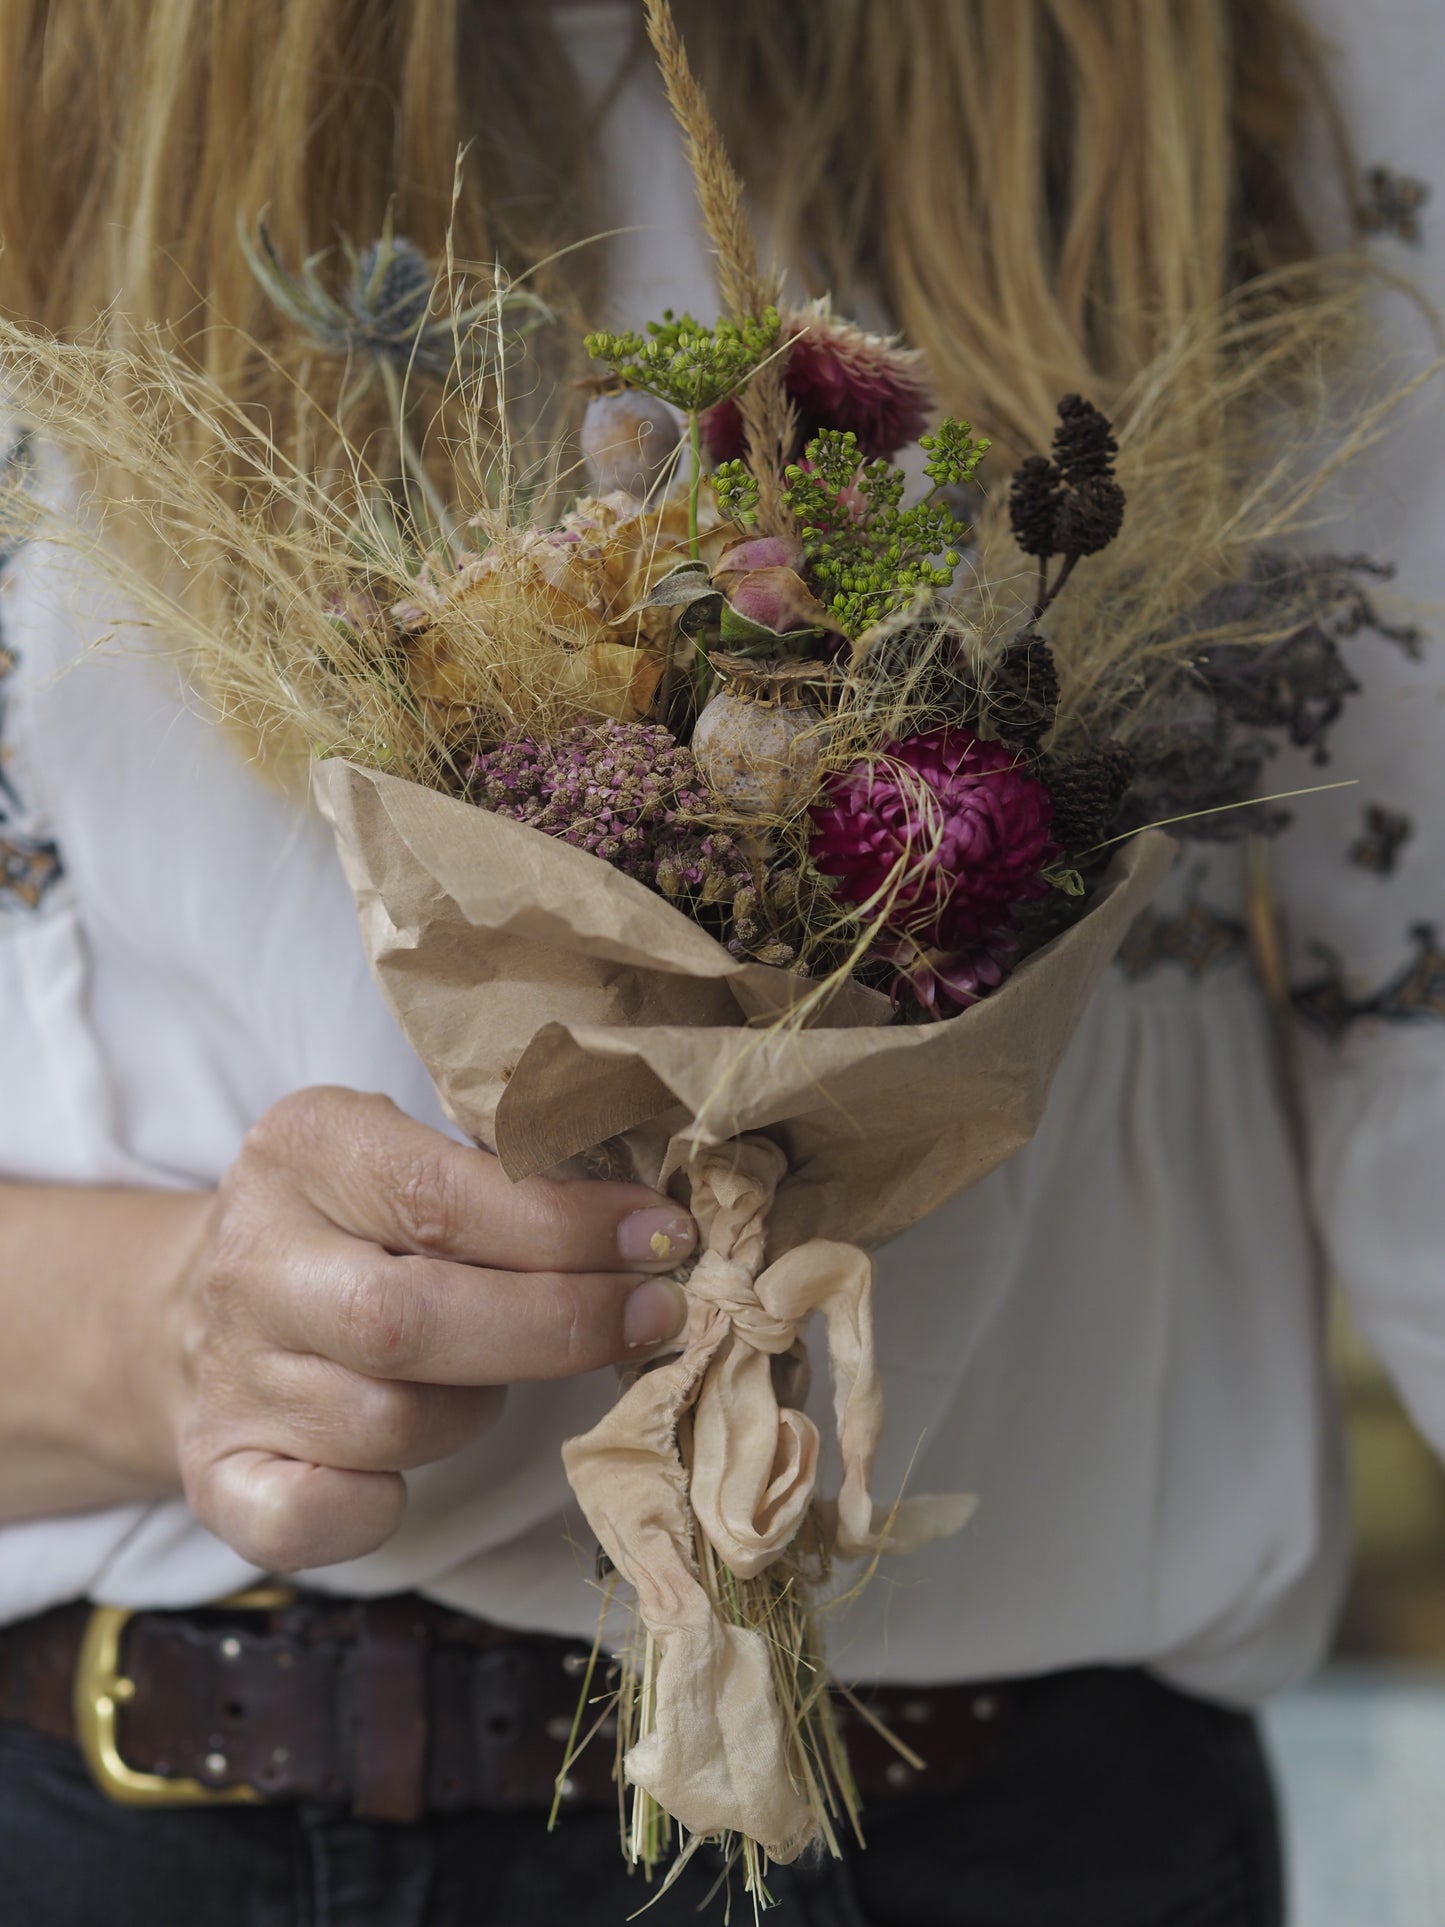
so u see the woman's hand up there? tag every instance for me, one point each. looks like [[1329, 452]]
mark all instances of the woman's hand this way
[[348, 1304]]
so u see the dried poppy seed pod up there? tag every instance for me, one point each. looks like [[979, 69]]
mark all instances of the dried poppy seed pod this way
[[629, 440], [759, 741]]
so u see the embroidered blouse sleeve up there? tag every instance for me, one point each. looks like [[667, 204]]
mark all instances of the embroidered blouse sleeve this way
[[1361, 872], [30, 865]]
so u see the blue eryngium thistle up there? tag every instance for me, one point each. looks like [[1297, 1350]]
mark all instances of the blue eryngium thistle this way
[[389, 295], [390, 310]]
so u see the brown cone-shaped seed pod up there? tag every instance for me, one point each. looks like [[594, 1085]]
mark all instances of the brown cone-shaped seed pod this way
[[1023, 692], [1089, 516], [1084, 443], [1033, 504], [1087, 791]]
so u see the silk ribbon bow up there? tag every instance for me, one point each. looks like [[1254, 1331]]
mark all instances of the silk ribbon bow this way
[[716, 1757]]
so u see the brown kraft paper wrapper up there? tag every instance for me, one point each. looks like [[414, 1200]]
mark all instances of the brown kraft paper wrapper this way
[[561, 1007]]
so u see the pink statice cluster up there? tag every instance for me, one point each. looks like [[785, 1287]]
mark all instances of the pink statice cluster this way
[[616, 790], [628, 793], [943, 837]]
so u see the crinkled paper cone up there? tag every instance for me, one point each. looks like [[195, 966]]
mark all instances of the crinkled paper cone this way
[[559, 1005]]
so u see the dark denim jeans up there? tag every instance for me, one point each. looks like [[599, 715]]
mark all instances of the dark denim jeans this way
[[1113, 1802]]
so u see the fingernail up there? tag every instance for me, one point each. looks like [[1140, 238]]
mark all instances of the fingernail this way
[[660, 1237], [655, 1311]]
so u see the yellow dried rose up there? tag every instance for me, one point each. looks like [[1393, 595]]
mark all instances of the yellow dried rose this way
[[549, 624]]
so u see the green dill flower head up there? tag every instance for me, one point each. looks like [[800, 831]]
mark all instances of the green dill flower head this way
[[869, 555], [681, 361]]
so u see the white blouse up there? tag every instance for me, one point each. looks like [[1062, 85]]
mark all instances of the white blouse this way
[[1115, 1341]]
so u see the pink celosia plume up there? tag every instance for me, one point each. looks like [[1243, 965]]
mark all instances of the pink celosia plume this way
[[838, 376]]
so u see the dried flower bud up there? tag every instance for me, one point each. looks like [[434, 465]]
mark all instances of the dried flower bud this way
[[1090, 516], [783, 889], [775, 952], [629, 441], [1022, 694], [1033, 504], [778, 599], [1087, 791], [1084, 444], [756, 552]]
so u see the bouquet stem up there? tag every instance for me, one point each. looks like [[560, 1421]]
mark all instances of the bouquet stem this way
[[773, 1604], [694, 482]]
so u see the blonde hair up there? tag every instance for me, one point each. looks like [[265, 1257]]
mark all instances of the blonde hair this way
[[1045, 191], [141, 136], [1041, 191]]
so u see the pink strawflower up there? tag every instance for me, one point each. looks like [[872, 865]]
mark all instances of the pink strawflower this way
[[838, 376], [941, 981], [944, 836]]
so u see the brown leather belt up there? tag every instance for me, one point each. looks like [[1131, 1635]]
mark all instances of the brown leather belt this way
[[391, 1708]]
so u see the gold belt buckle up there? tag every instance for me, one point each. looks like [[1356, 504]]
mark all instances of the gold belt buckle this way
[[101, 1688]]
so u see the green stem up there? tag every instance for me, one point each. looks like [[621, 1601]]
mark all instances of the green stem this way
[[702, 670], [413, 467], [694, 485]]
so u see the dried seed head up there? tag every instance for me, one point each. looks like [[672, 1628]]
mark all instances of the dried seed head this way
[[1033, 503], [1084, 444]]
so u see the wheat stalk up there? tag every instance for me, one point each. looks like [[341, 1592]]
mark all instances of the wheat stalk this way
[[719, 189], [763, 404]]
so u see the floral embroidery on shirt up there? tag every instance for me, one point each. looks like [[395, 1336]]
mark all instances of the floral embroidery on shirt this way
[[1198, 940], [29, 863], [1416, 991], [1384, 834], [1392, 204], [1205, 755]]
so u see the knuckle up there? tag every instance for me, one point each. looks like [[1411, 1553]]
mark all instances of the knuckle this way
[[385, 1315], [296, 1123], [254, 1516], [230, 1263], [587, 1330], [427, 1199], [392, 1419], [272, 1138], [549, 1217]]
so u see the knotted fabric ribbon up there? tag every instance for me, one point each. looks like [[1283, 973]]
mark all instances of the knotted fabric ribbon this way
[[716, 1758]]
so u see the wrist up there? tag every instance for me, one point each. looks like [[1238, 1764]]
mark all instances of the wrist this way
[[137, 1375], [94, 1383]]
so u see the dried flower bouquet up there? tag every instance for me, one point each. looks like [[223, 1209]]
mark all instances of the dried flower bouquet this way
[[765, 809], [727, 831]]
